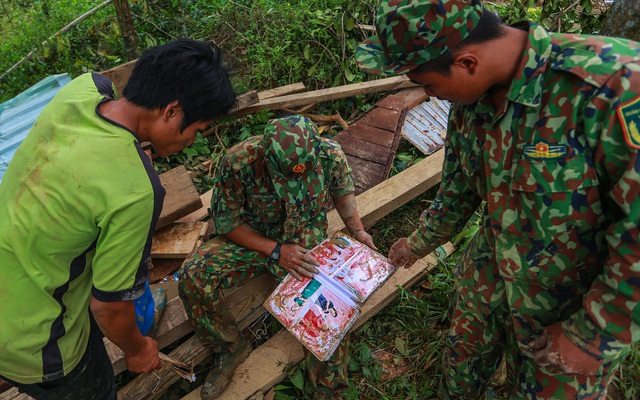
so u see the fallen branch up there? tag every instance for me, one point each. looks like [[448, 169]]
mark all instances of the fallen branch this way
[[556, 21]]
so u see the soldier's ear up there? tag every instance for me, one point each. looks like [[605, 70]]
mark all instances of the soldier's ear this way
[[466, 60]]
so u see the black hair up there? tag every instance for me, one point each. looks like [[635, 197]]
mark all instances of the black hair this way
[[489, 27], [185, 70]]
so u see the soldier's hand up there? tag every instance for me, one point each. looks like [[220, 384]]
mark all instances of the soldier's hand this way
[[558, 354], [294, 259], [401, 255], [362, 236]]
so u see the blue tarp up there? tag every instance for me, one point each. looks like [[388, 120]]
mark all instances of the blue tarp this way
[[18, 115]]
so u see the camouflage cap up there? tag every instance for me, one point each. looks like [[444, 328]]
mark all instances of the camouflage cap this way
[[291, 146], [413, 32]]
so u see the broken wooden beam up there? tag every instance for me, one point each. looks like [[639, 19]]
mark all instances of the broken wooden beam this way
[[282, 90], [178, 239], [120, 75], [334, 93], [181, 199], [202, 212]]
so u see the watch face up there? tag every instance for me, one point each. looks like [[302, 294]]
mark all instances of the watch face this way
[[275, 254]]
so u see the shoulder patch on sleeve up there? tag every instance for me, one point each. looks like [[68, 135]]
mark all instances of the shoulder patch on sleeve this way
[[629, 116]]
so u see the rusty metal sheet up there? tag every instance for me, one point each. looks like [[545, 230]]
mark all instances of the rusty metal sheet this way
[[425, 125]]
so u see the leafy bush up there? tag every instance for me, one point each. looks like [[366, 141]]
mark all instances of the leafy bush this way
[[582, 16], [90, 45]]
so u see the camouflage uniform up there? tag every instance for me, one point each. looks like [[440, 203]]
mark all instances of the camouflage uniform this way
[[245, 192], [559, 171]]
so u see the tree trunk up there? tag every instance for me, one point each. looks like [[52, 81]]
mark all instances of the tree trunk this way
[[623, 20], [128, 30]]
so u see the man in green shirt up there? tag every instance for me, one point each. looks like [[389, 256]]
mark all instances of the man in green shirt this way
[[543, 130], [80, 200]]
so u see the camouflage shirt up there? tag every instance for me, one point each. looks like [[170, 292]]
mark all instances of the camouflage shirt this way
[[558, 168], [243, 193]]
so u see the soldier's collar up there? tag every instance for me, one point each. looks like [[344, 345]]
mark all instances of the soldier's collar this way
[[526, 87]]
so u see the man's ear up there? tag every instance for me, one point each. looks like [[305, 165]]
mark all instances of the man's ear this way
[[171, 110], [466, 60]]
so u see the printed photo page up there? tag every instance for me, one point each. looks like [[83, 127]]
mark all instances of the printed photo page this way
[[320, 311]]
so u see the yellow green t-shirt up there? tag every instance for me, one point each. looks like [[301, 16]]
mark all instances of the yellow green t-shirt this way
[[78, 204]]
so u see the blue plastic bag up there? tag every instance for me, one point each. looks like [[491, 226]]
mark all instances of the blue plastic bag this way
[[145, 310]]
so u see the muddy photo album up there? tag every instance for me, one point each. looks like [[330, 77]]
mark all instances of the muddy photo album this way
[[320, 311]]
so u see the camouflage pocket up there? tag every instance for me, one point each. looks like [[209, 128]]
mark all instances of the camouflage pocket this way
[[264, 208]]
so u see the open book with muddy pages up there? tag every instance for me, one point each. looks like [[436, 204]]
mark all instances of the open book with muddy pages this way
[[320, 311]]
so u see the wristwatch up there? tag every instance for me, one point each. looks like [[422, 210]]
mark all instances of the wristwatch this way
[[275, 254]]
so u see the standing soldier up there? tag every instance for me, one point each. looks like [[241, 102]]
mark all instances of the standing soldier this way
[[543, 130]]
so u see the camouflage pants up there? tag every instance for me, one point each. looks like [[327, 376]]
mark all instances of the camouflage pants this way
[[220, 264], [482, 332]]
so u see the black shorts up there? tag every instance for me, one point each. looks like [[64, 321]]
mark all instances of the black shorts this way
[[91, 379]]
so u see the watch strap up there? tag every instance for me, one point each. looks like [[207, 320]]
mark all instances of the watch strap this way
[[275, 254]]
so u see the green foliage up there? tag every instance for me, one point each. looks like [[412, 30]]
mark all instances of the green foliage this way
[[582, 16], [27, 24], [626, 383]]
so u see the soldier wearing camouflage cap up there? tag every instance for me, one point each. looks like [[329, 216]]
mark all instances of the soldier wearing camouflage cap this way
[[544, 134], [269, 203]]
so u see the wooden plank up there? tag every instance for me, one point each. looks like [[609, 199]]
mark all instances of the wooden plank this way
[[177, 240], [356, 147], [371, 134], [245, 100], [265, 366], [245, 302], [163, 267], [13, 394], [382, 118], [397, 137], [282, 90], [120, 75], [389, 195], [340, 92], [262, 369], [202, 212], [392, 102], [4, 386], [181, 199], [412, 96], [364, 173]]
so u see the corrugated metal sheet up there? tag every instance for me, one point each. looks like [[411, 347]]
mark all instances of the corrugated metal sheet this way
[[18, 115], [426, 125]]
